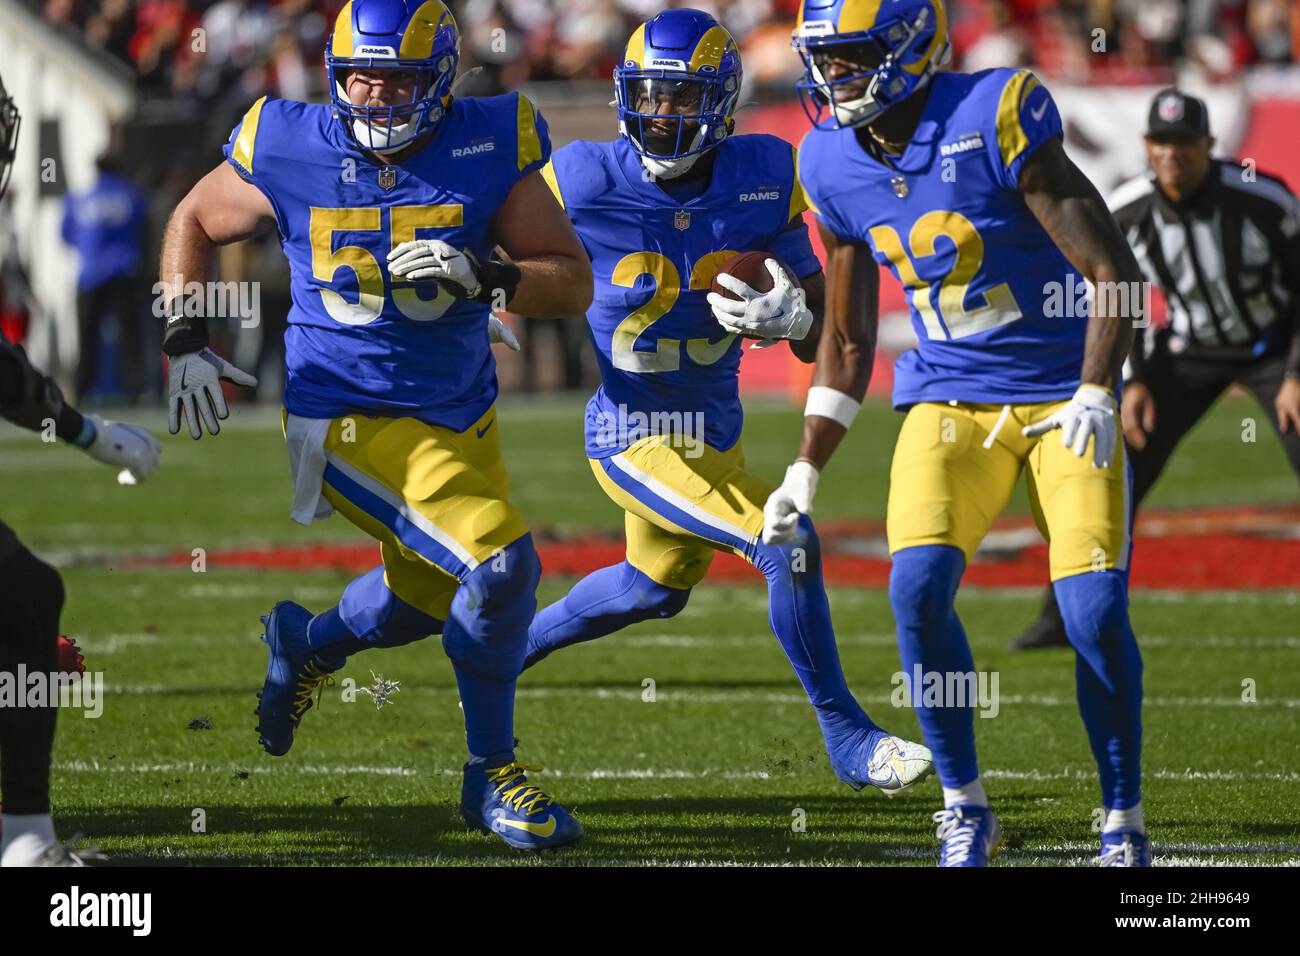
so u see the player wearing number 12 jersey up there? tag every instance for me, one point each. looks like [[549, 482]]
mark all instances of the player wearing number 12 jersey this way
[[959, 184], [660, 210], [389, 203]]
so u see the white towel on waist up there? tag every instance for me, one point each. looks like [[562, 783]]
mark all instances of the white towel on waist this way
[[305, 438]]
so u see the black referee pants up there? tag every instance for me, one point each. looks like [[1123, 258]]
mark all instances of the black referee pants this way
[[115, 298], [1184, 388]]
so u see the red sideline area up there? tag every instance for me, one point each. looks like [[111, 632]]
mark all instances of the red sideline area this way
[[1195, 549]]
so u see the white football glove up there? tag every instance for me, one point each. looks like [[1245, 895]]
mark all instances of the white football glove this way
[[778, 314], [194, 390], [498, 331], [128, 447], [1089, 414], [785, 505], [432, 260]]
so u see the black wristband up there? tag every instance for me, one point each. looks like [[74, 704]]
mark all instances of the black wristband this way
[[498, 281], [183, 333], [69, 424]]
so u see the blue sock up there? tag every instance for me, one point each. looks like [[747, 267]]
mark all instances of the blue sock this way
[[486, 636], [922, 588], [801, 620], [369, 615], [1108, 678], [603, 602]]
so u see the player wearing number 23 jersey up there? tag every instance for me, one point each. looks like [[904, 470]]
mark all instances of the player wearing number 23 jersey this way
[[660, 210], [659, 348]]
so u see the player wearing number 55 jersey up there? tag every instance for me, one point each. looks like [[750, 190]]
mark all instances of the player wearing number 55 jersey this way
[[660, 210], [958, 183], [389, 203]]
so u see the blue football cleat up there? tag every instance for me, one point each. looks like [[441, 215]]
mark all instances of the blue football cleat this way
[[969, 835], [1124, 848], [497, 798], [293, 673], [890, 764]]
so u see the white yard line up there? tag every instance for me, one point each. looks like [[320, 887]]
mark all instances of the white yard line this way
[[665, 693], [627, 773], [112, 643], [850, 639]]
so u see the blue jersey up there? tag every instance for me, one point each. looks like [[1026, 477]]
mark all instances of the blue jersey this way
[[948, 220], [664, 361], [359, 340], [106, 226]]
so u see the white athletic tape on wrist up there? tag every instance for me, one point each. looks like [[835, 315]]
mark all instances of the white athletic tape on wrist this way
[[831, 403]]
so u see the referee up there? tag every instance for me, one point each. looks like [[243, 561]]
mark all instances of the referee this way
[[31, 592], [1222, 243]]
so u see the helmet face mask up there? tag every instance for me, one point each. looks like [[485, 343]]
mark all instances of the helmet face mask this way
[[851, 78], [676, 90], [393, 125], [420, 55], [666, 115], [9, 123]]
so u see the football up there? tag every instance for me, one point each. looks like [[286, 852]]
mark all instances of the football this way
[[482, 336], [750, 268]]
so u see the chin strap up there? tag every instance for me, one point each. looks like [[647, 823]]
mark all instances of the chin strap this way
[[360, 128], [669, 168]]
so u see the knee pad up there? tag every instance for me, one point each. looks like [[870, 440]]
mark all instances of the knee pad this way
[[487, 630], [799, 556], [652, 598], [372, 612], [37, 591], [1094, 606], [923, 584]]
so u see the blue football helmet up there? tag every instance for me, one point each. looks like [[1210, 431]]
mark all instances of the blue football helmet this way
[[419, 36], [895, 46], [676, 89]]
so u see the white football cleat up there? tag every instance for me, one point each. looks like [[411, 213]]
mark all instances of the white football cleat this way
[[897, 765], [30, 841]]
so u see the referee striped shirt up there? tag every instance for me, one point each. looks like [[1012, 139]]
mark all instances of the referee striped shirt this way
[[1227, 260]]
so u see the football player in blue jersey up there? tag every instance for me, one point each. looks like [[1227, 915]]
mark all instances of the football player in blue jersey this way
[[660, 210], [389, 203], [960, 185]]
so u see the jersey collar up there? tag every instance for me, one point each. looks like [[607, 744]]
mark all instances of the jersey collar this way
[[640, 183], [920, 148]]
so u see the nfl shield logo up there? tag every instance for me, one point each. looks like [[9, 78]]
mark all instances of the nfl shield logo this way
[[682, 220], [1170, 108], [388, 177], [900, 186]]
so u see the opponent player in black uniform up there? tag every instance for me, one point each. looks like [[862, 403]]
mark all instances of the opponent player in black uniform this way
[[31, 593]]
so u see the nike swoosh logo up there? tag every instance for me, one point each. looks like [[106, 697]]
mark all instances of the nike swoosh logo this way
[[1039, 113], [480, 432], [184, 372], [537, 829]]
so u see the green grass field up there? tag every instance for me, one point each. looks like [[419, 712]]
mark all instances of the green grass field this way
[[715, 770]]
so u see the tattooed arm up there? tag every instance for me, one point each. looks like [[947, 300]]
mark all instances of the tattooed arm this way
[[1076, 218]]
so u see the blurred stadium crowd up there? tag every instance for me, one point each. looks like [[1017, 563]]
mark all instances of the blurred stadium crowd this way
[[198, 64], [251, 46]]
